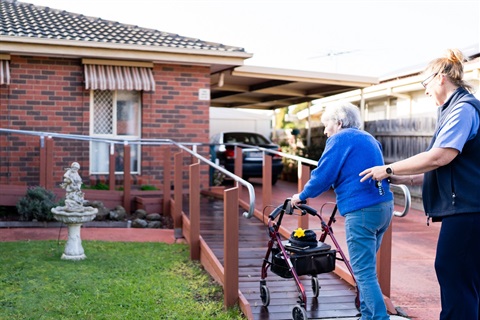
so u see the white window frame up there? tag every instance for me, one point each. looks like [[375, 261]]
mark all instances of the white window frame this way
[[105, 147]]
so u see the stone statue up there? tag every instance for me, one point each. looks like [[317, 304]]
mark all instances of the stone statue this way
[[74, 213], [72, 183]]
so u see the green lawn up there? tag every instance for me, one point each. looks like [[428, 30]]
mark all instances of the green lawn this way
[[117, 281]]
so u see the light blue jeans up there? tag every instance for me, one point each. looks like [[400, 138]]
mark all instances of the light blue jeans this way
[[364, 231]]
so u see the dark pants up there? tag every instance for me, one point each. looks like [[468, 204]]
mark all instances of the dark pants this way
[[458, 267]]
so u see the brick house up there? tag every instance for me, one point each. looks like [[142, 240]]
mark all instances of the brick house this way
[[67, 73]]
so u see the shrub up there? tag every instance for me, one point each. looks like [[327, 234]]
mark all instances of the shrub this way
[[147, 187], [98, 186], [37, 204]]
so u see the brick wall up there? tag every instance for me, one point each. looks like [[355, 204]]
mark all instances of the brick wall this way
[[48, 94], [174, 112], [45, 94]]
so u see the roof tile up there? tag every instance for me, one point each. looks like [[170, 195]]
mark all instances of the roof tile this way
[[18, 19]]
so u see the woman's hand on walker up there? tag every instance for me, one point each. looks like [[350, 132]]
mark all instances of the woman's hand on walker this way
[[295, 199]]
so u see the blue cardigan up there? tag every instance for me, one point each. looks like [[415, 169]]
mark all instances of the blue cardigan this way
[[346, 154]]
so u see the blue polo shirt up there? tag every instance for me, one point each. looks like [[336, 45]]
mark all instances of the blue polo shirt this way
[[459, 126]]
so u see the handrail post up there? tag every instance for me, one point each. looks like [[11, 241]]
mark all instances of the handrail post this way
[[303, 177], [267, 180], [49, 163], [43, 162], [384, 262], [194, 209], [177, 194], [384, 256], [167, 180], [238, 167], [127, 184], [230, 248], [111, 168]]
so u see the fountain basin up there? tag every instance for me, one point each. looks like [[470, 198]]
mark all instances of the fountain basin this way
[[74, 220]]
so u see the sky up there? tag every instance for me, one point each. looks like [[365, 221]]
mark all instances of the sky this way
[[370, 38]]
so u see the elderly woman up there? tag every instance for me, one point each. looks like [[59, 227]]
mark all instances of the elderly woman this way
[[367, 207]]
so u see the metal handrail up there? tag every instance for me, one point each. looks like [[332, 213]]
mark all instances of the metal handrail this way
[[398, 187], [249, 186], [408, 199], [274, 152]]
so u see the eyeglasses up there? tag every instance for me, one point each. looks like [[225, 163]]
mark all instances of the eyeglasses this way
[[428, 80]]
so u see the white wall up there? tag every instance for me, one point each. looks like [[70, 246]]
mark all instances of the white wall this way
[[226, 119]]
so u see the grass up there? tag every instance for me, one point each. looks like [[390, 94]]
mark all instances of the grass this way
[[117, 281]]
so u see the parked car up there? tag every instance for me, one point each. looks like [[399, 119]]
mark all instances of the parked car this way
[[252, 157]]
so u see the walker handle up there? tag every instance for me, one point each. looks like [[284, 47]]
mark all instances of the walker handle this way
[[275, 212], [307, 209]]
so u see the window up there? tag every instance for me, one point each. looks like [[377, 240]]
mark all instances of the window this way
[[115, 114], [4, 70]]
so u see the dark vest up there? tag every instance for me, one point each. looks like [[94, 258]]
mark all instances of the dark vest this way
[[455, 187]]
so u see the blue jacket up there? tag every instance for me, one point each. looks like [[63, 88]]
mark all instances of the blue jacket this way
[[346, 154], [454, 188]]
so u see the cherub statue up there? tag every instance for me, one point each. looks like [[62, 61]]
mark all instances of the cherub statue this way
[[72, 183]]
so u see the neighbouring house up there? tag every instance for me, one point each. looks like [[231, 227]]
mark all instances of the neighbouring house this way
[[68, 73], [396, 96]]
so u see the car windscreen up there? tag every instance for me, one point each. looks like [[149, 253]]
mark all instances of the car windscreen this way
[[245, 138]]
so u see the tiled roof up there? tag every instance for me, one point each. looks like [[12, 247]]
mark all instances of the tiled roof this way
[[18, 19]]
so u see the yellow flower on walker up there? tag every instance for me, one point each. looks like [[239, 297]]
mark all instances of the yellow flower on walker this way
[[299, 233]]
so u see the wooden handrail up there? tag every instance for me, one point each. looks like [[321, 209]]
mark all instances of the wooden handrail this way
[[303, 177], [267, 180], [111, 167], [194, 210], [127, 178], [49, 163], [177, 193], [230, 247], [167, 178], [43, 162]]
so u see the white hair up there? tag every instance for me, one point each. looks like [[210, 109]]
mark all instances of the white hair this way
[[345, 113]]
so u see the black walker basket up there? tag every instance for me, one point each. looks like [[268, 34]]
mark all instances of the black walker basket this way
[[305, 261]]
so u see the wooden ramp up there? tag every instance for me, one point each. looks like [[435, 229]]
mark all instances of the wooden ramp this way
[[336, 298]]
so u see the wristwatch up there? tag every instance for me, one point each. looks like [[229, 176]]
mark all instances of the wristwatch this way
[[389, 170]]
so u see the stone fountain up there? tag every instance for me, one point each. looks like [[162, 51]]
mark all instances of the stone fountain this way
[[74, 213]]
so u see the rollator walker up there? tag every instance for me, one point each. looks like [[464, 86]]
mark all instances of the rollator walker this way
[[291, 258]]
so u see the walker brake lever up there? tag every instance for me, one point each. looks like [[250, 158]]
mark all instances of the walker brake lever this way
[[299, 208]]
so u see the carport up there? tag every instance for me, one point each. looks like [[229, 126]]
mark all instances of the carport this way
[[253, 87]]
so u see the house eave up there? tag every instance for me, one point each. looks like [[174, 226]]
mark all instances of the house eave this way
[[76, 49]]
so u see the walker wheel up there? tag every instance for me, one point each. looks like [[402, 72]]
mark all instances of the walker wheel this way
[[315, 286], [299, 313], [265, 295]]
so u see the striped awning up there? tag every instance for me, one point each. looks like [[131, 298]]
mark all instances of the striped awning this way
[[4, 72], [107, 77]]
